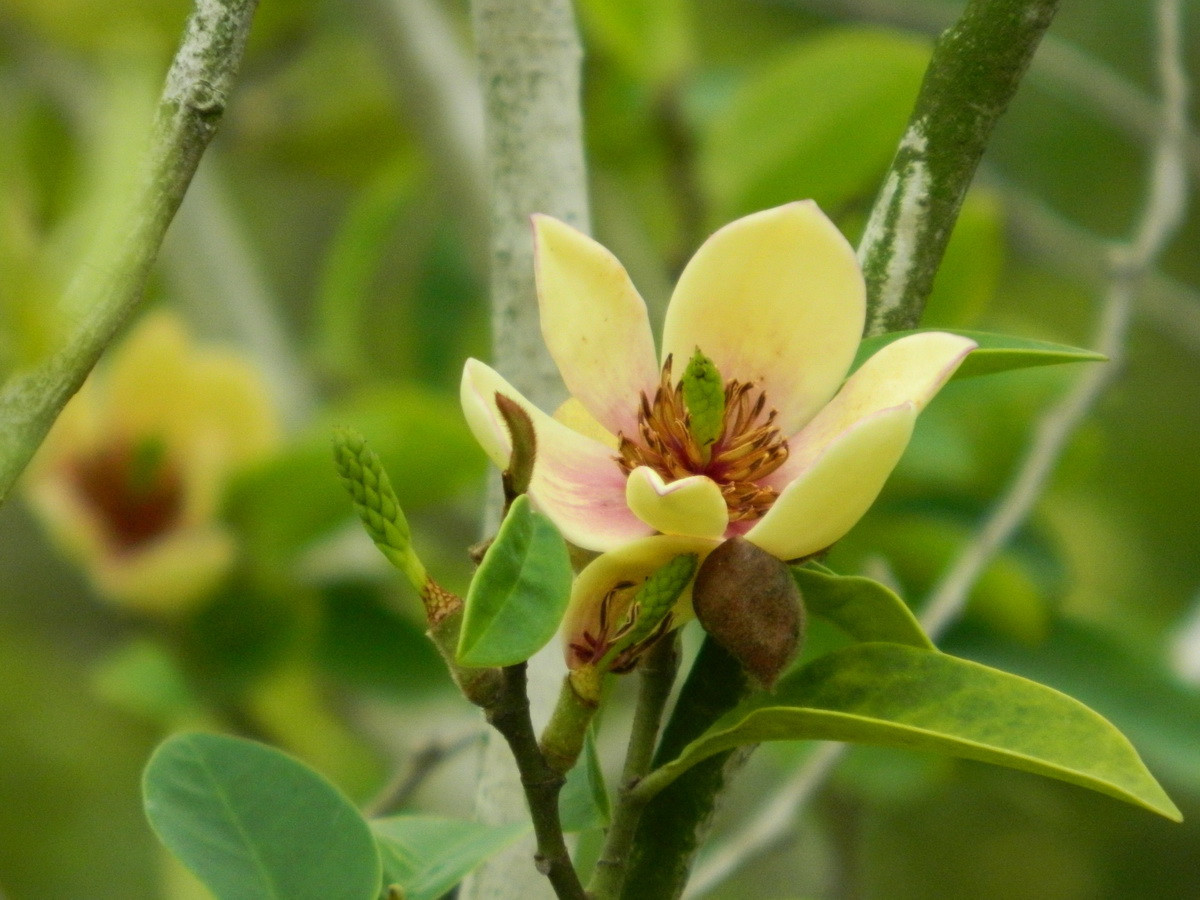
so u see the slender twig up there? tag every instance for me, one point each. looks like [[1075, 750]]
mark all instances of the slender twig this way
[[1128, 264], [107, 292], [510, 717], [657, 672], [973, 74], [407, 780]]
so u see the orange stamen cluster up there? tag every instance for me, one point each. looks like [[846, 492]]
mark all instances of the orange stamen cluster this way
[[748, 449]]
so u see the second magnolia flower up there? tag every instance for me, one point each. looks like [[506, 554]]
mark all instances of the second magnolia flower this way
[[775, 302]]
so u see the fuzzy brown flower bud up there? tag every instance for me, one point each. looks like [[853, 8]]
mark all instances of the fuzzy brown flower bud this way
[[748, 601]]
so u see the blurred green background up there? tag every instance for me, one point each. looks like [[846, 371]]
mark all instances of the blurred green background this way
[[332, 239]]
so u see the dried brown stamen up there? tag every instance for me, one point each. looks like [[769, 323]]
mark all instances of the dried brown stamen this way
[[749, 448]]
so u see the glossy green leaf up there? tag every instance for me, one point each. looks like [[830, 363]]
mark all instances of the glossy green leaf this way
[[995, 353], [520, 592], [254, 823], [426, 855], [583, 803], [863, 608], [897, 696], [820, 122]]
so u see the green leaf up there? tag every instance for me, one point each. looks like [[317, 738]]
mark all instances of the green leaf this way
[[253, 823], [426, 856], [847, 95], [863, 608], [583, 803], [520, 592], [897, 696], [995, 353]]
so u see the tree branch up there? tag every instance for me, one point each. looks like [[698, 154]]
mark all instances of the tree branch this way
[[108, 291], [976, 67]]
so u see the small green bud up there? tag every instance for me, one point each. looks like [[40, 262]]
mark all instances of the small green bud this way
[[654, 600], [704, 399], [749, 602], [375, 502]]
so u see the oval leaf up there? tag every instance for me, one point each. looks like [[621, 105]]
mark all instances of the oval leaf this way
[[519, 594], [583, 803], [995, 353], [865, 609], [427, 856], [253, 823], [897, 696]]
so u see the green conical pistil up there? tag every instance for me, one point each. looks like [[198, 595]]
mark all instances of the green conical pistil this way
[[654, 601], [704, 398], [375, 502]]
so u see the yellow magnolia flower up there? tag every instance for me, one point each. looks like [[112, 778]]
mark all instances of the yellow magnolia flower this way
[[776, 300], [130, 477]]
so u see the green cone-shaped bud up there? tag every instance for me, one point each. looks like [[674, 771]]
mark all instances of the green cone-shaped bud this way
[[376, 504], [704, 399], [655, 599], [748, 601]]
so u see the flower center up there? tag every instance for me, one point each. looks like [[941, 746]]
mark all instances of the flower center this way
[[748, 448], [133, 489]]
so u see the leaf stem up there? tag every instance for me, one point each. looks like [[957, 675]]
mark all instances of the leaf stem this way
[[657, 670], [109, 291], [974, 72]]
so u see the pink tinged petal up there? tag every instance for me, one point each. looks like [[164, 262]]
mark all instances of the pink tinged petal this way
[[776, 298], [576, 480], [837, 488], [631, 562], [594, 323], [908, 371], [575, 416], [690, 506]]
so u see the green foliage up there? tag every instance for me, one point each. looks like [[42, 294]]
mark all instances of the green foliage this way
[[427, 855], [995, 353], [252, 822], [821, 122], [520, 592], [898, 696], [862, 607], [292, 500]]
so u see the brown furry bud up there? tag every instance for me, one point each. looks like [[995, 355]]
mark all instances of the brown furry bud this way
[[747, 600]]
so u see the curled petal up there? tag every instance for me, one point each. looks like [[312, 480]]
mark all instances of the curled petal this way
[[776, 298], [909, 371], [576, 480], [594, 323], [628, 565], [690, 506], [837, 487]]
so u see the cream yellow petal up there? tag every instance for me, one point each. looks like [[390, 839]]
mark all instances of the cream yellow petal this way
[[576, 480], [690, 506], [594, 323], [908, 371], [169, 576], [632, 562], [837, 488], [776, 298], [228, 407], [148, 382], [575, 416]]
